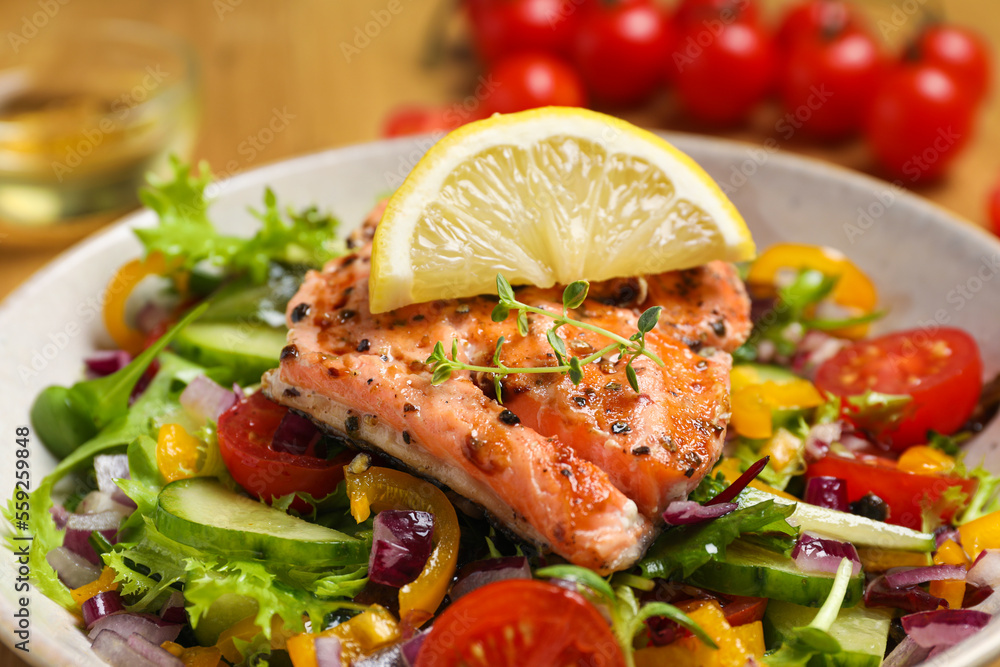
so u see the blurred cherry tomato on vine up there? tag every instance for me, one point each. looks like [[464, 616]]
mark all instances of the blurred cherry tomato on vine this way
[[958, 51], [815, 18], [919, 121], [702, 13], [722, 73], [827, 82], [620, 50], [420, 120], [530, 80], [503, 27]]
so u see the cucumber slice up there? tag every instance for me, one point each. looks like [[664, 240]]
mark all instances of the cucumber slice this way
[[202, 513], [858, 530], [861, 631], [248, 349], [751, 570], [768, 372]]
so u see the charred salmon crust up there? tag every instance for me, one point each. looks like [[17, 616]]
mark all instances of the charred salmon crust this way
[[584, 470]]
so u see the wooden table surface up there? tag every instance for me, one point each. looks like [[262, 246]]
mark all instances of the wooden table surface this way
[[258, 57]]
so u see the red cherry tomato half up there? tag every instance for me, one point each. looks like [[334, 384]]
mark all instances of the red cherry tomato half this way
[[523, 623], [813, 19], [620, 50], [701, 13], [532, 80], [906, 493], [940, 368], [721, 75], [826, 83], [958, 51], [245, 433], [919, 121], [504, 27]]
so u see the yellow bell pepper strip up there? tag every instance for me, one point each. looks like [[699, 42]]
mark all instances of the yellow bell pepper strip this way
[[949, 553], [173, 648], [244, 630], [983, 533], [874, 559], [362, 635], [106, 582], [376, 489], [753, 404], [953, 591], [201, 656], [116, 296], [736, 645], [302, 650], [924, 460], [854, 290], [176, 452], [730, 469]]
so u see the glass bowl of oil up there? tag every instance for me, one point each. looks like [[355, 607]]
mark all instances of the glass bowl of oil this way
[[86, 112]]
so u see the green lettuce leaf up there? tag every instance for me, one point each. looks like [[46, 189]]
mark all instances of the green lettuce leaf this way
[[158, 399], [684, 549], [186, 235]]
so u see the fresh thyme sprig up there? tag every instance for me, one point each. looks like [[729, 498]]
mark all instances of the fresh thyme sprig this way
[[572, 298]]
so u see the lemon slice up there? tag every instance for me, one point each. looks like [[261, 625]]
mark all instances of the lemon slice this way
[[547, 196]]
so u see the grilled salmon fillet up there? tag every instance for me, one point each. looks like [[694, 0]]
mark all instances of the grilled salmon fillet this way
[[583, 470]]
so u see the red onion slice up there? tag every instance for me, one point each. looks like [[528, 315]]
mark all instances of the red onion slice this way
[[173, 610], [151, 627], [327, 651], [296, 435], [105, 362], [203, 399], [411, 647], [401, 543], [906, 654], [114, 650], [59, 516], [101, 605], [986, 570], [741, 482], [73, 569], [481, 572], [910, 598], [110, 467], [96, 502], [814, 554], [975, 595], [684, 512], [902, 577], [944, 627], [829, 492], [152, 652], [80, 526]]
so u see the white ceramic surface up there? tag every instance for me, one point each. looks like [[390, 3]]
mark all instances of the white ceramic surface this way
[[925, 263]]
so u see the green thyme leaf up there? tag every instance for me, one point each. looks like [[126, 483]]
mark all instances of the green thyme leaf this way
[[575, 294], [648, 320], [504, 290]]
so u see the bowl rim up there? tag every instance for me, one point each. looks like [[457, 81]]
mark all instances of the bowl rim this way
[[976, 654]]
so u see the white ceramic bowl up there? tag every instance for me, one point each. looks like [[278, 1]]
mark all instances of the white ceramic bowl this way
[[926, 263]]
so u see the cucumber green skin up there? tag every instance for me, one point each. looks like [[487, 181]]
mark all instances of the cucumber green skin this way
[[844, 659], [759, 573], [858, 530], [771, 373], [236, 543], [249, 350]]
